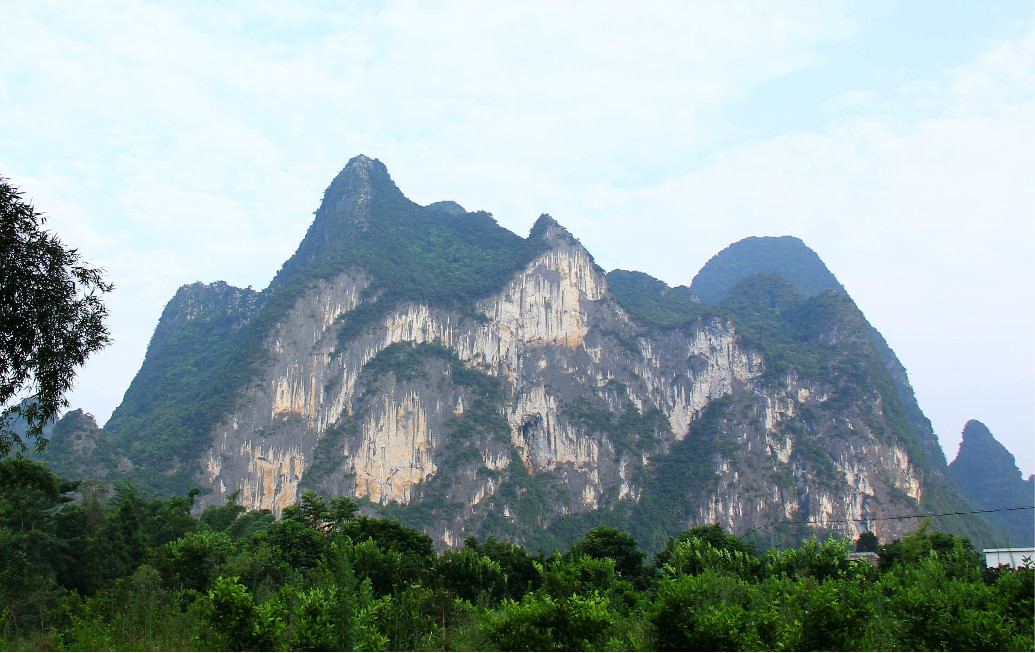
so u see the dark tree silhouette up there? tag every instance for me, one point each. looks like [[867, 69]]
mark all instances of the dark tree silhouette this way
[[51, 319]]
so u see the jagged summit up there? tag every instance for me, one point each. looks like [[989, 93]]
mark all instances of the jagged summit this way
[[786, 256], [354, 188], [361, 197], [547, 229], [217, 301]]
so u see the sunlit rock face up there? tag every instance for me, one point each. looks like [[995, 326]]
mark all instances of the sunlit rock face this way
[[547, 402]]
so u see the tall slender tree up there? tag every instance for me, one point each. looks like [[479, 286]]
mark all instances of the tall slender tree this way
[[51, 319]]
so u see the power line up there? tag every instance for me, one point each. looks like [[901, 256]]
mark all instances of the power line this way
[[869, 519]]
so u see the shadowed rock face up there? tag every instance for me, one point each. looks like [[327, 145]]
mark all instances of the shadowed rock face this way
[[470, 382], [987, 476]]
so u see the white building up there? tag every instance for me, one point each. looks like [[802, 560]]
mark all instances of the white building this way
[[1022, 557]]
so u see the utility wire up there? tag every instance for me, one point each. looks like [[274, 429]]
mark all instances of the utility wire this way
[[868, 519]]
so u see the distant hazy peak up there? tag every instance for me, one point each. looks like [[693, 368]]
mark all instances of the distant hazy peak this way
[[786, 256], [987, 476], [362, 170], [975, 431], [362, 166], [979, 450]]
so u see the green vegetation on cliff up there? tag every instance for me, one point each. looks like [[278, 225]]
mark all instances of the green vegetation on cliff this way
[[653, 301], [446, 258], [198, 360]]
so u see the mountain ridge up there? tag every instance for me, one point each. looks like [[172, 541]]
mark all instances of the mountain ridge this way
[[622, 400]]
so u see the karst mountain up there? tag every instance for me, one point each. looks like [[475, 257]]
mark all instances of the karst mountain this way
[[468, 381]]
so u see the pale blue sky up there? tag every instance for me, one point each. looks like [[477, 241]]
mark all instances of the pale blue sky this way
[[177, 142]]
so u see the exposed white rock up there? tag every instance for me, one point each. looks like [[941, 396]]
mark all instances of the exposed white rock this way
[[396, 451]]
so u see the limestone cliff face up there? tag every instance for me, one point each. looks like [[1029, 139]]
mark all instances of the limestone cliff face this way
[[550, 338], [791, 460], [546, 336], [540, 399]]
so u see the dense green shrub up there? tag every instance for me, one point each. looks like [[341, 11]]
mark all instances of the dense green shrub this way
[[324, 579]]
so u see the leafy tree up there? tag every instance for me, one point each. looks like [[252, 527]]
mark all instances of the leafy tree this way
[[342, 510], [867, 542], [166, 520], [193, 561], [581, 575], [814, 559], [543, 623], [695, 555], [606, 542], [51, 318], [311, 511], [313, 623], [295, 543], [391, 535], [706, 613], [382, 569], [30, 543], [74, 580], [251, 523], [955, 552], [123, 541], [471, 575], [713, 534], [238, 623], [220, 518], [524, 573]]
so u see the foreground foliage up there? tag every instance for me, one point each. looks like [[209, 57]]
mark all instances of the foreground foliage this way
[[120, 571]]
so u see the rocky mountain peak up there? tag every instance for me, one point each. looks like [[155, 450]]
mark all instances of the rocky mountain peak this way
[[548, 230], [201, 307], [359, 197], [206, 299], [353, 189]]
